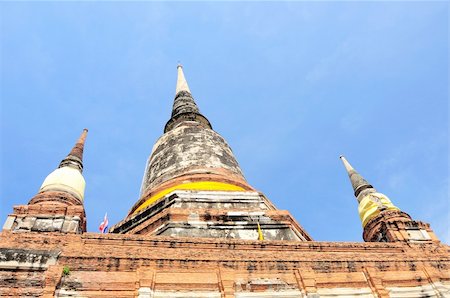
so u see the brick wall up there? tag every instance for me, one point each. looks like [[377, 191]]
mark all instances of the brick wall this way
[[114, 265]]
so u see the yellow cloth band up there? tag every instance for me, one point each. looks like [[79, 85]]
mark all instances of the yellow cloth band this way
[[371, 205], [201, 185]]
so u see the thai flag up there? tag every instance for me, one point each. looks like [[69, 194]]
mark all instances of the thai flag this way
[[104, 225]]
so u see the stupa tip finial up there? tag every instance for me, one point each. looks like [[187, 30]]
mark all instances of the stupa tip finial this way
[[80, 142], [347, 165], [184, 104], [182, 84]]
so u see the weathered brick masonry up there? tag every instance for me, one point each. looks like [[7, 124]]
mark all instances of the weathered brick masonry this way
[[123, 265]]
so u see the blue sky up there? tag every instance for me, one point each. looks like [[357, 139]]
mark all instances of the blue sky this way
[[290, 86]]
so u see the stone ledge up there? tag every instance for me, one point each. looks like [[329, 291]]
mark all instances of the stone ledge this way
[[13, 258]]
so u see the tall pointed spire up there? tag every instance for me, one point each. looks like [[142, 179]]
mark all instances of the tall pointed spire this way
[[358, 182], [184, 107], [68, 176], [182, 84], [75, 158], [382, 221]]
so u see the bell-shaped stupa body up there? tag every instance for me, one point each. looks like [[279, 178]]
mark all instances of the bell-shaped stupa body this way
[[190, 155], [193, 185]]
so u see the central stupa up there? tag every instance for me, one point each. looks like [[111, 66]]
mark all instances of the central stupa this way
[[193, 186]]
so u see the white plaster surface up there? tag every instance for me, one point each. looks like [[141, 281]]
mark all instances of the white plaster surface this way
[[272, 294], [9, 222], [346, 292], [193, 294], [145, 293], [65, 179], [60, 293], [430, 290]]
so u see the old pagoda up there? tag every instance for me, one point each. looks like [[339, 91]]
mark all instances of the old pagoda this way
[[199, 229]]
